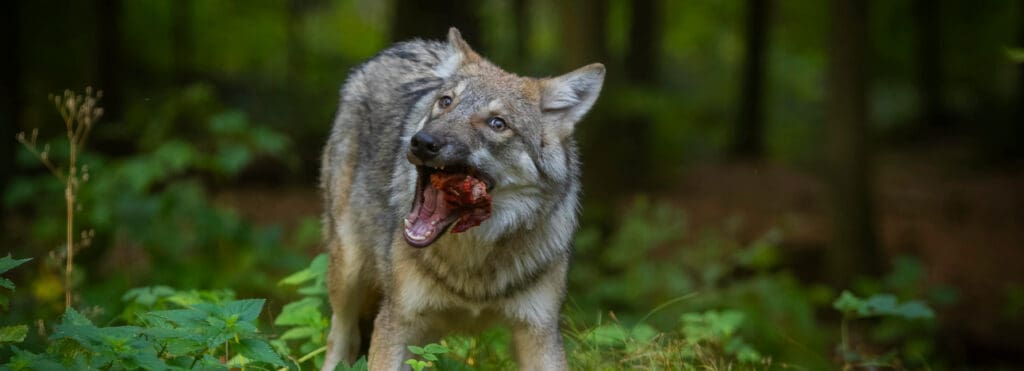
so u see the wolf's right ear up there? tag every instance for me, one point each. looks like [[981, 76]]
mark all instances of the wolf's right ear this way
[[460, 54], [565, 99]]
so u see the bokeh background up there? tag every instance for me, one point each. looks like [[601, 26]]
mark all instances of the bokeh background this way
[[765, 154]]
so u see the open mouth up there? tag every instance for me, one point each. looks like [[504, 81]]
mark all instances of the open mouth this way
[[455, 197]]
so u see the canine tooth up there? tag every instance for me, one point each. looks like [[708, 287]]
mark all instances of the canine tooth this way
[[428, 233], [408, 224]]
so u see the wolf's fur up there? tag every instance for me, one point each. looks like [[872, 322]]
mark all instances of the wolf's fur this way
[[509, 270]]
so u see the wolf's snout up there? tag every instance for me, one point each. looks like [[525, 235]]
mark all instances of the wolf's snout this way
[[425, 146]]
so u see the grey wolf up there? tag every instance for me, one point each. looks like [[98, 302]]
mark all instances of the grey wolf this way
[[412, 256]]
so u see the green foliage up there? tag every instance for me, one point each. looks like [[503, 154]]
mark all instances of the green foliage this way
[[880, 305], [306, 317], [155, 206], [652, 259], [205, 334], [15, 333], [428, 353], [208, 332], [358, 365], [7, 263]]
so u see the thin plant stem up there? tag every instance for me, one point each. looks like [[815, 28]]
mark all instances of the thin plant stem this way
[[79, 113]]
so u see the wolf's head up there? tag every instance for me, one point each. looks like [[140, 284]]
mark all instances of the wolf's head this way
[[504, 138]]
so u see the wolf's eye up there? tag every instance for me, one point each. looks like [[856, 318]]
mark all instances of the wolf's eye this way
[[496, 123], [444, 102]]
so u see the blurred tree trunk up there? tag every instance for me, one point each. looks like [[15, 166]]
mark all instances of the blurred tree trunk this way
[[854, 250], [109, 64], [644, 38], [748, 139], [928, 52], [10, 88], [1020, 71], [431, 19], [584, 26], [521, 10], [181, 41]]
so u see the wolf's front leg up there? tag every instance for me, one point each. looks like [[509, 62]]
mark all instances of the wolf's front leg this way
[[347, 289], [391, 335], [539, 347]]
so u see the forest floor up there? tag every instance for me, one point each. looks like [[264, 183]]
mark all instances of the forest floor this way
[[965, 223]]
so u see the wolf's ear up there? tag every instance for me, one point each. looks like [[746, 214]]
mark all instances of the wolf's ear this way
[[565, 99], [460, 54], [455, 41]]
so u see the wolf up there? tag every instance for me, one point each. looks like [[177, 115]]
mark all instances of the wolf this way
[[451, 192]]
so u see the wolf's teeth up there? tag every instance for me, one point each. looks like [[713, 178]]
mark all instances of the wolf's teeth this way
[[416, 236], [408, 224]]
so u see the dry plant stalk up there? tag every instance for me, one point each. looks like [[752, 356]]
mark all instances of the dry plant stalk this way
[[79, 113]]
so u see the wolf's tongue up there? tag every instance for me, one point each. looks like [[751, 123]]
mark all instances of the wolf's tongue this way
[[430, 218]]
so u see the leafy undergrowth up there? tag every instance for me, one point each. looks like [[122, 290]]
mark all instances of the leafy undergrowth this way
[[729, 324], [166, 329]]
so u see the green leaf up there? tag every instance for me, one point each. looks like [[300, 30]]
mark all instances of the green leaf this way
[[317, 268], [147, 296], [232, 158], [360, 365], [914, 309], [301, 333], [258, 350], [7, 263], [607, 335], [180, 317], [24, 360], [416, 365], [847, 303], [72, 317], [878, 305], [435, 348], [305, 312], [643, 332], [246, 309], [13, 334]]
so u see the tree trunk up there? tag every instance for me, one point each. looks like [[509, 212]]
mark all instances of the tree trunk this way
[[644, 37], [584, 27], [181, 41], [10, 88], [928, 52], [108, 50], [521, 10], [431, 19], [854, 250], [1020, 73], [748, 140]]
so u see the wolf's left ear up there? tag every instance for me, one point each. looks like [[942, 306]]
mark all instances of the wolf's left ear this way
[[459, 54], [565, 99], [460, 45]]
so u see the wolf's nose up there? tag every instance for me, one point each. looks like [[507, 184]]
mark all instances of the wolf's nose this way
[[426, 146]]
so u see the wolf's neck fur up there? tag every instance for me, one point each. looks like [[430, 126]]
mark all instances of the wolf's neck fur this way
[[503, 255]]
